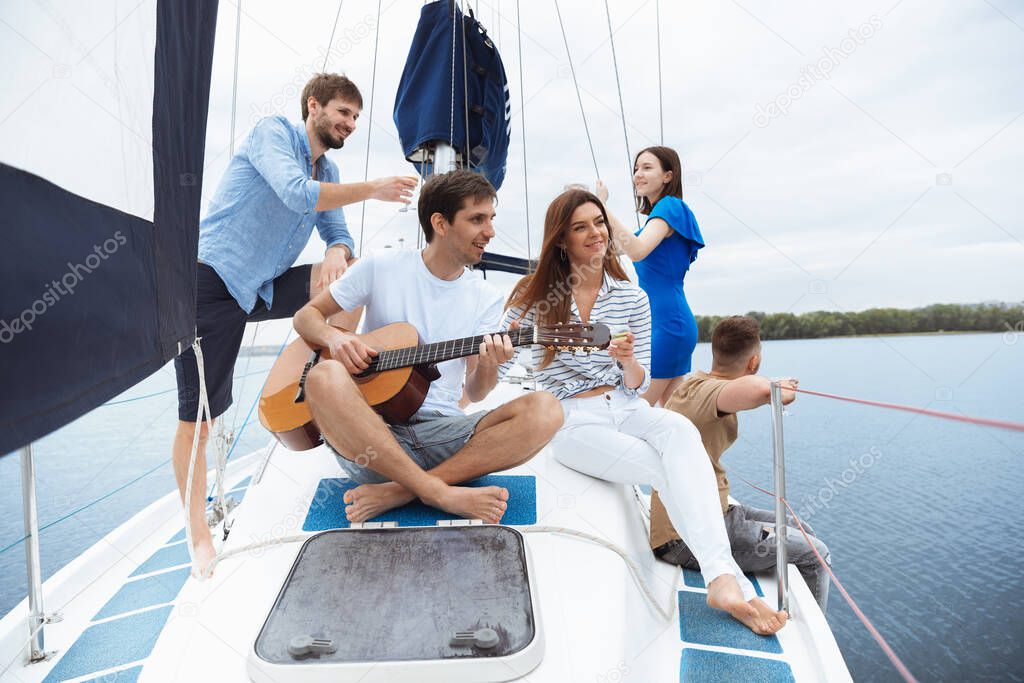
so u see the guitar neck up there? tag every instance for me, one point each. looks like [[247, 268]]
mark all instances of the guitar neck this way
[[439, 352]]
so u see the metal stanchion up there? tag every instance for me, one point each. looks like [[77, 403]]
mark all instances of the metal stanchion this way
[[779, 468], [37, 617]]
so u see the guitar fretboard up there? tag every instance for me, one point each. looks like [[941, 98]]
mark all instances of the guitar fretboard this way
[[438, 352]]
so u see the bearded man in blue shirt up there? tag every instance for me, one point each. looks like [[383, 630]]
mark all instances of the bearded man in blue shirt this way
[[276, 188]]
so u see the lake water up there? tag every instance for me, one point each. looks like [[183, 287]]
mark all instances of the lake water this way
[[922, 516]]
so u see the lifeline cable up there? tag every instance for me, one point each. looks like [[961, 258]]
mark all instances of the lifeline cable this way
[[982, 421], [886, 648]]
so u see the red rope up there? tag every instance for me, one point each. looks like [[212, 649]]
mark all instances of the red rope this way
[[896, 661], [983, 421]]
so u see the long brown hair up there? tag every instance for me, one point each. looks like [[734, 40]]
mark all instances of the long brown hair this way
[[548, 290], [669, 161]]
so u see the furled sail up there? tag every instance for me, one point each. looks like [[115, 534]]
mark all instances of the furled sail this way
[[101, 168], [453, 90]]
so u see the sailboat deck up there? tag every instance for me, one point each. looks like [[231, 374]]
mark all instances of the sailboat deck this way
[[129, 607]]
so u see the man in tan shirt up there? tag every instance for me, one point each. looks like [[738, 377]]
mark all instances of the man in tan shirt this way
[[711, 400]]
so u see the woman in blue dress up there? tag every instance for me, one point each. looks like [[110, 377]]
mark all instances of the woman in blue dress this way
[[662, 251]]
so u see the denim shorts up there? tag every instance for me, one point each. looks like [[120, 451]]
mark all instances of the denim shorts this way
[[220, 322], [429, 437]]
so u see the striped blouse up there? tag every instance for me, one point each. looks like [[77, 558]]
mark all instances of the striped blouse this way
[[620, 303]]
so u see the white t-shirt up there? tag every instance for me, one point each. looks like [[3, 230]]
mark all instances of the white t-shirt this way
[[395, 286]]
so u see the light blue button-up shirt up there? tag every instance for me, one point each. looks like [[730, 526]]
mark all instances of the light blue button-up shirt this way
[[264, 211]]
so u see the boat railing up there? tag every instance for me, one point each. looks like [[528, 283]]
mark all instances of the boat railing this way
[[784, 511]]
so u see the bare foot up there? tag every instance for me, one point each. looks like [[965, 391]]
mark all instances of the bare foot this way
[[202, 556], [724, 593], [369, 500], [486, 502]]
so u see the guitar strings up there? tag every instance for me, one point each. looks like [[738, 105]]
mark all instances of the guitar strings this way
[[391, 359]]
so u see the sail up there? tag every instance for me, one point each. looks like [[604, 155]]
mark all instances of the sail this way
[[448, 91], [101, 168]]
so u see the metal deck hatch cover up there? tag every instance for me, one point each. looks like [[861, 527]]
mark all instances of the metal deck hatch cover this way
[[393, 595]]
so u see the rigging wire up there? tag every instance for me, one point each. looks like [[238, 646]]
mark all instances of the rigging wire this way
[[133, 399], [622, 108], [661, 109], [465, 91], [234, 79], [572, 70], [369, 130], [451, 112], [882, 643], [220, 438], [980, 421], [522, 127], [330, 43]]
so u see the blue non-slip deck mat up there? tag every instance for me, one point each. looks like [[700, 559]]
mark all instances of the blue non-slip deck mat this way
[[148, 592], [702, 625], [111, 643], [165, 558], [705, 666], [694, 579], [327, 511]]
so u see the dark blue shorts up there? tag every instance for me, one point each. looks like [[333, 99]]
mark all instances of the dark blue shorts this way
[[220, 324]]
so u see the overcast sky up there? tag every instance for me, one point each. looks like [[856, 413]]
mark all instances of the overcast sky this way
[[837, 156]]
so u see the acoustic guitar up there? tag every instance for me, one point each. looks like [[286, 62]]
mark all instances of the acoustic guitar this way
[[397, 381]]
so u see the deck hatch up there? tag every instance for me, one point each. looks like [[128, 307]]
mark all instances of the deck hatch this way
[[400, 596]]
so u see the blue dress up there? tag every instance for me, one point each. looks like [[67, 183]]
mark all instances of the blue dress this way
[[661, 274]]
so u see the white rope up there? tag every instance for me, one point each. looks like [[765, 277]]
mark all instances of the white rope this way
[[666, 613], [622, 109], [369, 131], [31, 635], [195, 443], [576, 85], [522, 124], [297, 538]]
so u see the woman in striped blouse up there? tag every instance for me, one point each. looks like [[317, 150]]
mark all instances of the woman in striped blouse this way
[[610, 431]]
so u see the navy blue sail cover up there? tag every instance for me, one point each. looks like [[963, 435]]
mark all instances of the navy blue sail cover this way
[[424, 110], [506, 264], [94, 299]]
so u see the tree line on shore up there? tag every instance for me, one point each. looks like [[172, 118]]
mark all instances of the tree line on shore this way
[[998, 317]]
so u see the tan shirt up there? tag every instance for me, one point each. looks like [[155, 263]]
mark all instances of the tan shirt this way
[[697, 400]]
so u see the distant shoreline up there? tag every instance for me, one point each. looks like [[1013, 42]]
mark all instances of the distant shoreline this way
[[274, 350], [1005, 318]]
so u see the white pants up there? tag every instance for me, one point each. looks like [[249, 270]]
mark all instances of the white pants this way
[[623, 439]]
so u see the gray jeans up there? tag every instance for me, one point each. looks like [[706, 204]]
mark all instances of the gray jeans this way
[[752, 537]]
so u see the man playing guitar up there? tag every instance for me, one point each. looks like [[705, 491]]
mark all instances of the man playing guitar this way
[[439, 446]]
